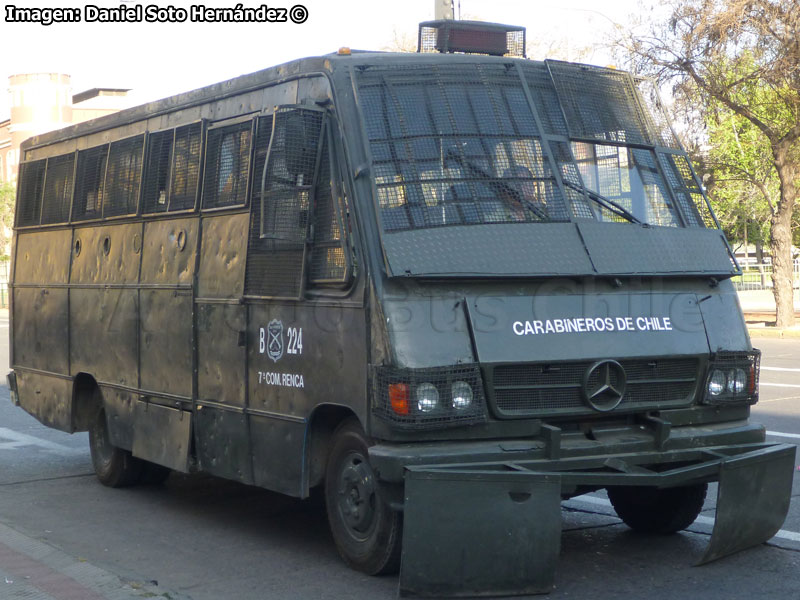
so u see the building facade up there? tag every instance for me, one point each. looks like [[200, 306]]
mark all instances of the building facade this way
[[42, 102]]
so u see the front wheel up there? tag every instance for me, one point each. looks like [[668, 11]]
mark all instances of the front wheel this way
[[654, 510], [115, 467], [367, 533]]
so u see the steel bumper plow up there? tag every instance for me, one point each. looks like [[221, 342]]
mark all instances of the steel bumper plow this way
[[493, 529]]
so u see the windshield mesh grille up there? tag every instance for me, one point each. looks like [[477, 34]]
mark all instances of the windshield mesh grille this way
[[456, 146]]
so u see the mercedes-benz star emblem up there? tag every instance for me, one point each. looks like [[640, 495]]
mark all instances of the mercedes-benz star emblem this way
[[604, 385]]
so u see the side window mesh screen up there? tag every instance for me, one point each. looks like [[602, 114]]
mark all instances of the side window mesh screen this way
[[186, 168], [693, 205], [276, 258], [255, 283], [58, 189], [327, 254], [227, 165], [30, 193], [88, 202], [159, 156], [124, 177]]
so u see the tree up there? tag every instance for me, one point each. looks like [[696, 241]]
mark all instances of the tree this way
[[741, 178], [743, 56], [8, 193]]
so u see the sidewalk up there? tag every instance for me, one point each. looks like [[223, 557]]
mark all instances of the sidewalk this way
[[33, 570], [764, 301]]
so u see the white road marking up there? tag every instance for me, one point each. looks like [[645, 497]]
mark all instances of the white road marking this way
[[11, 440], [786, 435], [783, 534], [780, 369], [789, 385]]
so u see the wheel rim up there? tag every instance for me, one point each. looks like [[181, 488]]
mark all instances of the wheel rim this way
[[356, 496]]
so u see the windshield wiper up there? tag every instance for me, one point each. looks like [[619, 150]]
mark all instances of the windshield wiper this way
[[605, 202], [500, 187]]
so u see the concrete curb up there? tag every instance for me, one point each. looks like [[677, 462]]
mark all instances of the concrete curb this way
[[772, 332]]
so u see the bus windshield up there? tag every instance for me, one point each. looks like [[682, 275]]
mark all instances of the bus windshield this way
[[495, 142]]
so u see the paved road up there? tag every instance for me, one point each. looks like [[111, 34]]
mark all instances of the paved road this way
[[63, 535]]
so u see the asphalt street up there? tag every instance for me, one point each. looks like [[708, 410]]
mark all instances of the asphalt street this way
[[65, 536]]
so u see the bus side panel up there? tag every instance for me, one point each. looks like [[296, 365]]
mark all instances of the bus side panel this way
[[168, 261], [103, 336], [40, 313], [299, 357], [46, 397], [119, 405], [43, 257], [222, 256], [39, 325], [221, 430], [40, 329]]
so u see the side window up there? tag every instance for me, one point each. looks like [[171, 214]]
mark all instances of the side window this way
[[227, 165], [297, 219], [58, 189], [90, 178], [277, 257], [30, 192], [172, 169], [186, 168], [328, 258], [124, 177]]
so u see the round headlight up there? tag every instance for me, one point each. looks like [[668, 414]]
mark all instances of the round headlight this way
[[716, 383], [461, 394], [737, 380], [427, 397]]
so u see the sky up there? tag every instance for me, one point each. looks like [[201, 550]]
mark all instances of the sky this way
[[156, 60]]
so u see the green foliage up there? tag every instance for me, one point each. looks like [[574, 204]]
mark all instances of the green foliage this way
[[8, 194], [742, 181]]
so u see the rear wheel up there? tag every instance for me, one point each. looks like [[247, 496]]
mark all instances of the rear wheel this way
[[367, 533], [653, 510], [114, 466]]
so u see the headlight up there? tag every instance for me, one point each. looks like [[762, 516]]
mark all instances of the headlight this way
[[737, 380], [427, 397], [461, 394], [732, 378], [716, 383]]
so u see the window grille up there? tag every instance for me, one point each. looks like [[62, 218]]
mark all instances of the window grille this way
[[227, 165], [172, 169], [58, 189], [276, 258], [124, 177], [31, 185], [89, 186], [456, 146], [186, 168], [328, 259]]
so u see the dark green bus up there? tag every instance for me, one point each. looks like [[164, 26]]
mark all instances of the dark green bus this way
[[451, 288]]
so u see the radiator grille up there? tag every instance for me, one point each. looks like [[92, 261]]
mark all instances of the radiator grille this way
[[556, 388]]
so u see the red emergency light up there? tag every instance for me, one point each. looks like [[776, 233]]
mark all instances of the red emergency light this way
[[471, 37]]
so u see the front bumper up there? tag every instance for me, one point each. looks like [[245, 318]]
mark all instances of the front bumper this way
[[549, 451], [507, 495]]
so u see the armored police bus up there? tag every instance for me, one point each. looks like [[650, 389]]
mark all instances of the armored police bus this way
[[451, 288]]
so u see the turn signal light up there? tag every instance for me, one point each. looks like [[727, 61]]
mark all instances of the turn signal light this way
[[398, 398]]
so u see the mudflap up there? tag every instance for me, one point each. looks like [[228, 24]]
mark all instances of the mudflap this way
[[471, 533], [752, 500]]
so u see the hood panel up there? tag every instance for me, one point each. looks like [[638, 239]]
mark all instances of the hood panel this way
[[556, 328]]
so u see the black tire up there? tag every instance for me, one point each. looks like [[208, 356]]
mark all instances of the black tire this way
[[653, 510], [367, 533], [113, 466]]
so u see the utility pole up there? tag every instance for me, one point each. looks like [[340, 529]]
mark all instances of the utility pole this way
[[443, 9]]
